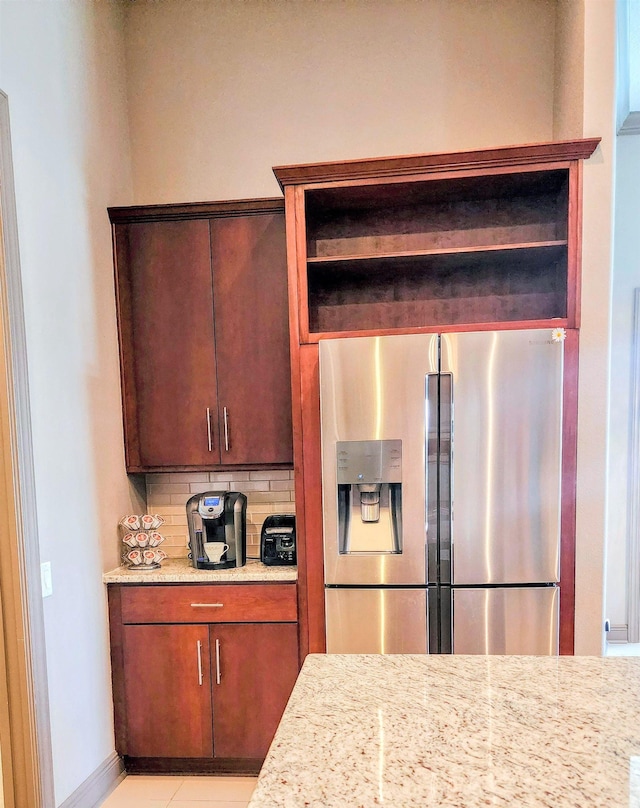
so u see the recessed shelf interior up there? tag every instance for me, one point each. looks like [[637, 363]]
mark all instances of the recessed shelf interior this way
[[438, 252]]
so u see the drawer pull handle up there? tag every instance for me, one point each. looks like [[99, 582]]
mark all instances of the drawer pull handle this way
[[209, 429], [199, 644], [207, 605], [218, 677]]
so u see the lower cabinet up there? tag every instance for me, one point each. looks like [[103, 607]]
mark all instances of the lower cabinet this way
[[206, 695], [167, 690], [254, 668]]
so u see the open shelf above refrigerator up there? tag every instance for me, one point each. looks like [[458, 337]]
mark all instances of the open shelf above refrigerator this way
[[485, 238]]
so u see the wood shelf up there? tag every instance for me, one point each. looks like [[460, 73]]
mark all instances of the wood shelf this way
[[437, 251], [439, 288], [373, 258], [447, 312]]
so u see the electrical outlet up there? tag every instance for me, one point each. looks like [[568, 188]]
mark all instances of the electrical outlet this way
[[46, 580]]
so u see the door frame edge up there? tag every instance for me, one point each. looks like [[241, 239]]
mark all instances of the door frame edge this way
[[26, 733]]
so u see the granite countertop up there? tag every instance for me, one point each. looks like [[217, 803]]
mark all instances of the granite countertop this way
[[461, 731], [179, 570]]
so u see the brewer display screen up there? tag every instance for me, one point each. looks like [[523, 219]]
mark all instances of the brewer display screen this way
[[211, 501]]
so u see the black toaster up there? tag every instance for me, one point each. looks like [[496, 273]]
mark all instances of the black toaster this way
[[278, 540]]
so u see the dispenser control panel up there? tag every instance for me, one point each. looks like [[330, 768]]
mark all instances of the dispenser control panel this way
[[369, 461]]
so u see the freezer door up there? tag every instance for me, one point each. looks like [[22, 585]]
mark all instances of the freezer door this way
[[514, 620], [505, 455], [376, 621], [373, 401]]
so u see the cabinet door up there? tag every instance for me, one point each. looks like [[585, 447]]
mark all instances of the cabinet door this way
[[167, 343], [167, 690], [252, 338], [254, 668]]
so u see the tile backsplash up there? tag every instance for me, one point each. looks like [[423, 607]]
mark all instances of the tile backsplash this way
[[267, 492]]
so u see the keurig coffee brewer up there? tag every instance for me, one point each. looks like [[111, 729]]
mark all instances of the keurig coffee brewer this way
[[217, 529]]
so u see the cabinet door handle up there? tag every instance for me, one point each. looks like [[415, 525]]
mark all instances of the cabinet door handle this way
[[209, 429], [226, 429], [199, 663], [207, 605], [218, 677]]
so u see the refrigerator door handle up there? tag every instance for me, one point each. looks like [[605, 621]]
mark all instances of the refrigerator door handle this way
[[445, 476], [432, 472]]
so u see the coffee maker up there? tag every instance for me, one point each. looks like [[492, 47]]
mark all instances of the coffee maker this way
[[217, 530]]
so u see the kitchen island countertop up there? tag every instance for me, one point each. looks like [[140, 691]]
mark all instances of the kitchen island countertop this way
[[461, 731], [179, 570]]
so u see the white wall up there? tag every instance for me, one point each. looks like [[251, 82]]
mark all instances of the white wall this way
[[599, 120], [220, 92], [568, 100], [62, 67], [626, 278], [633, 32]]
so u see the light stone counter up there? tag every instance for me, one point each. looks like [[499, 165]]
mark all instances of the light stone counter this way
[[179, 570], [462, 731]]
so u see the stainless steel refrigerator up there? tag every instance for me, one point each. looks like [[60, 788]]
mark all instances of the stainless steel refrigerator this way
[[441, 461]]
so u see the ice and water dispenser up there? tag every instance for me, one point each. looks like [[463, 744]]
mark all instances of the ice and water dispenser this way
[[369, 478]]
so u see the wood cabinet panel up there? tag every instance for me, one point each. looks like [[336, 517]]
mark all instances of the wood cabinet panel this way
[[216, 603], [165, 273], [203, 326], [167, 691], [254, 668], [252, 339], [200, 697]]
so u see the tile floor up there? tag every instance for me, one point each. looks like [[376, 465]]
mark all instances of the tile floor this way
[[156, 791]]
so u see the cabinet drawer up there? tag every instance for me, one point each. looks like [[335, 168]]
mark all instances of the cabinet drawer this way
[[216, 603]]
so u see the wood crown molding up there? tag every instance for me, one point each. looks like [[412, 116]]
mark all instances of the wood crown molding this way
[[195, 210], [481, 159]]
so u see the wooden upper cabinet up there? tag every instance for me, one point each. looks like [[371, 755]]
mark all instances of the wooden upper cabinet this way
[[252, 338], [469, 240], [204, 342], [167, 340]]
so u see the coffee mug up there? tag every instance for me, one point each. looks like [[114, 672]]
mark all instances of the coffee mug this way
[[215, 550]]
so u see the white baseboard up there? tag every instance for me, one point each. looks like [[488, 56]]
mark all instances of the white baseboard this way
[[618, 633], [98, 785]]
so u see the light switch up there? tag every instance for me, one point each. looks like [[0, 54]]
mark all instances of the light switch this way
[[46, 580]]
